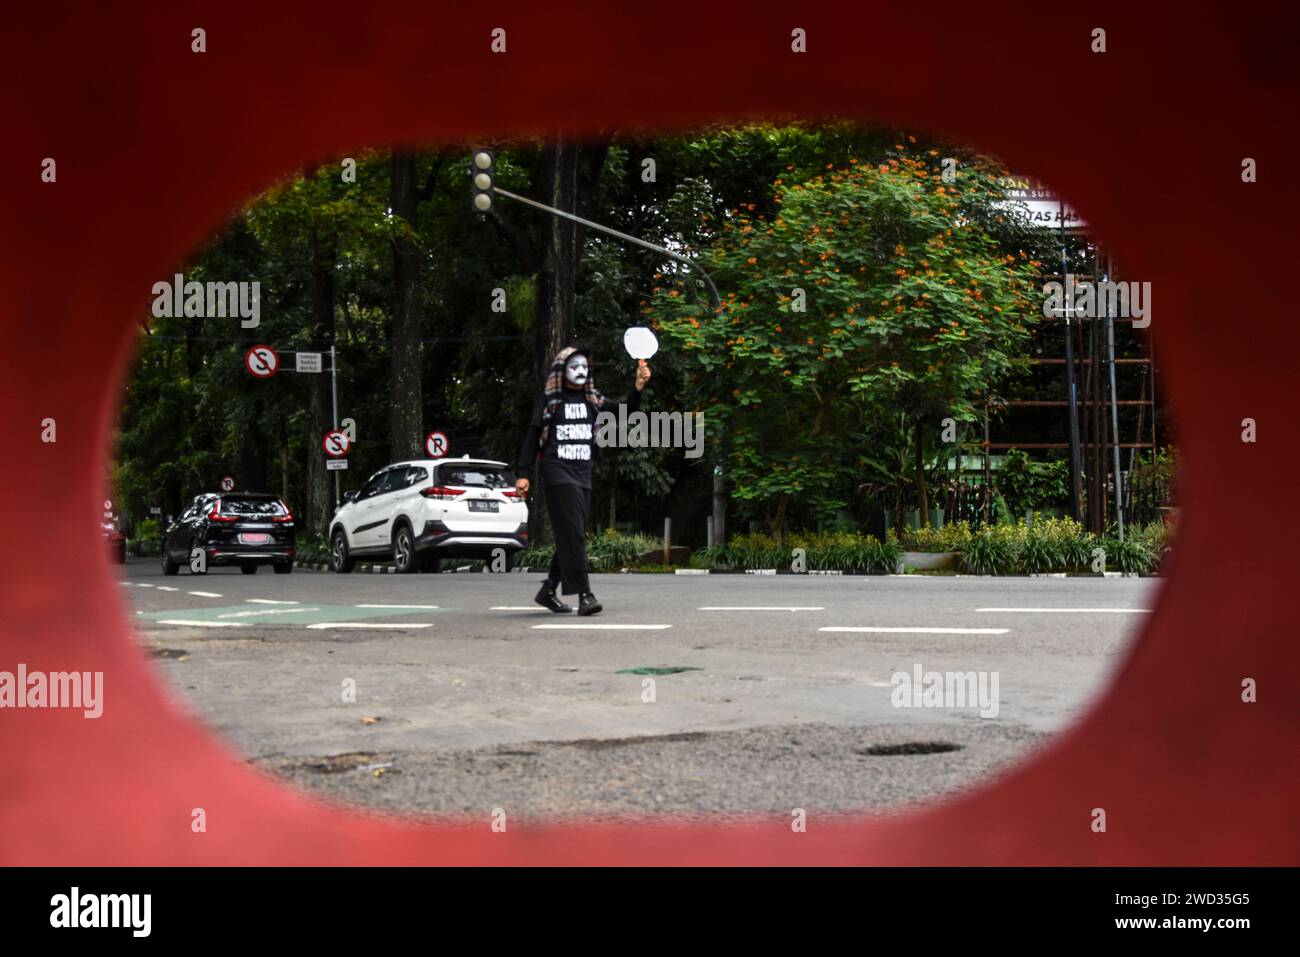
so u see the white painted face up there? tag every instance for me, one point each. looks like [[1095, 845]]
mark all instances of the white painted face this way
[[575, 371]]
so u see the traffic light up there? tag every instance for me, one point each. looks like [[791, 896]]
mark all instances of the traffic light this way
[[482, 170]]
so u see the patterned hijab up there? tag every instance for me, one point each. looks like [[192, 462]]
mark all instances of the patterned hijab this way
[[555, 389]]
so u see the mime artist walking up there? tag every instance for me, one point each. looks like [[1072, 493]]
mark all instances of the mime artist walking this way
[[561, 437]]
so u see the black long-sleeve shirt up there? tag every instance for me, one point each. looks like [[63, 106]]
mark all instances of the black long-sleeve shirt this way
[[571, 447]]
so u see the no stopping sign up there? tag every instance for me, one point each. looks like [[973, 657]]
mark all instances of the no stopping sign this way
[[336, 444], [262, 361]]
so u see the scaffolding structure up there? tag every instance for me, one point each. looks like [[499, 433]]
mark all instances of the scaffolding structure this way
[[1102, 367]]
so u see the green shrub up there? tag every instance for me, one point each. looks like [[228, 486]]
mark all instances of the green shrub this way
[[755, 551], [312, 550], [1156, 539], [1131, 556], [829, 551], [535, 556], [945, 538], [994, 551], [1039, 553], [611, 551], [144, 547], [705, 557]]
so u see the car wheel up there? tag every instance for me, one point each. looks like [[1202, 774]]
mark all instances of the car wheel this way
[[248, 568], [341, 559], [169, 567], [283, 568], [404, 555]]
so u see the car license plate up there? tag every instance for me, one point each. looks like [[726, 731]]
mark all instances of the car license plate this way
[[254, 538], [478, 506]]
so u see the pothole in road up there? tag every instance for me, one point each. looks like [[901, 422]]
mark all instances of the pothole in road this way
[[595, 744], [907, 748], [173, 653], [338, 763]]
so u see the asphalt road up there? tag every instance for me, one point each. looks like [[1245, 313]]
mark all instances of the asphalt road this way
[[470, 698]]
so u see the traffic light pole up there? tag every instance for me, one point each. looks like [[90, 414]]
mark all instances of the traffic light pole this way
[[334, 388], [676, 257], [484, 187]]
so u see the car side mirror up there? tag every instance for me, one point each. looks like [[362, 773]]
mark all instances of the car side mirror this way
[[349, 496]]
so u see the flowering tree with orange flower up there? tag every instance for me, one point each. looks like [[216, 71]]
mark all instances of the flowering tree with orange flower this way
[[874, 290]]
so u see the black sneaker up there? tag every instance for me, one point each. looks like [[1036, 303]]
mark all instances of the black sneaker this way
[[587, 604], [547, 599]]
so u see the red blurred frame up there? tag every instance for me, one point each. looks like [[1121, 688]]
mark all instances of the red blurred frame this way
[[155, 145]]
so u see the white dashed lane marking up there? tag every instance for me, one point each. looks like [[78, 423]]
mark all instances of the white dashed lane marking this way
[[201, 624], [268, 611], [366, 625], [270, 601], [762, 608], [204, 594], [921, 631], [425, 607], [1077, 611], [608, 627]]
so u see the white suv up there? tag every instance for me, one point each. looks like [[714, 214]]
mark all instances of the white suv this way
[[418, 513]]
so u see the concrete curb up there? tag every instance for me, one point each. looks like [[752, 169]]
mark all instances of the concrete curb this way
[[374, 569], [371, 568]]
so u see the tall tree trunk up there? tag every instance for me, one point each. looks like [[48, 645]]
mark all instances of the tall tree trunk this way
[[320, 501], [253, 452], [406, 425], [922, 496], [557, 282], [558, 279]]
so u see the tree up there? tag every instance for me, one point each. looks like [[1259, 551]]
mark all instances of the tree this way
[[406, 427], [871, 289]]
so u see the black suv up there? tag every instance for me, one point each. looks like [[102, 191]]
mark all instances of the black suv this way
[[244, 529]]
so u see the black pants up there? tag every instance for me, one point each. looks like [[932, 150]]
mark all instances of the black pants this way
[[568, 506]]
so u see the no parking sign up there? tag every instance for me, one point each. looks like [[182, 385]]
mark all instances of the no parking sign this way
[[436, 444]]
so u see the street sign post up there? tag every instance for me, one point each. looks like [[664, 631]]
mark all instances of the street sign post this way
[[262, 361], [436, 444]]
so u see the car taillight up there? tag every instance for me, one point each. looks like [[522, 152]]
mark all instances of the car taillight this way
[[286, 517], [511, 493], [216, 516], [442, 492]]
